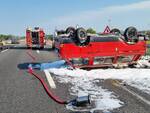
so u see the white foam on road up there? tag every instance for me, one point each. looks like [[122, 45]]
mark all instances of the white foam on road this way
[[139, 78], [87, 82], [50, 79], [83, 84]]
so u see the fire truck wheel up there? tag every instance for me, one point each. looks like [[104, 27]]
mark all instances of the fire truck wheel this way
[[71, 31], [41, 47], [81, 35], [53, 46], [115, 31], [131, 34], [28, 47]]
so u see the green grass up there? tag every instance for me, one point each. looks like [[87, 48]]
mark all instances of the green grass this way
[[148, 51], [148, 42]]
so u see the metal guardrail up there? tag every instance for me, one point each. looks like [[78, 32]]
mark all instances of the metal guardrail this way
[[3, 48]]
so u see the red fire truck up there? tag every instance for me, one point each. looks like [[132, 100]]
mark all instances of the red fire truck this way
[[112, 49], [35, 38]]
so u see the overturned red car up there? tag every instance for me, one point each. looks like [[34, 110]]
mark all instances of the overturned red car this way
[[113, 49]]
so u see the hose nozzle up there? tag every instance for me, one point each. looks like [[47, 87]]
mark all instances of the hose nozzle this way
[[81, 101]]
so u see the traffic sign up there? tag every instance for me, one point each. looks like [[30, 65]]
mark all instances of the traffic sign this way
[[107, 30]]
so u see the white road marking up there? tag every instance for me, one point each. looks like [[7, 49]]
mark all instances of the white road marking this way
[[38, 51], [136, 95], [4, 50], [116, 82], [50, 79]]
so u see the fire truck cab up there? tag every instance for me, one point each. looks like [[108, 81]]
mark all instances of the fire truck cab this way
[[35, 38]]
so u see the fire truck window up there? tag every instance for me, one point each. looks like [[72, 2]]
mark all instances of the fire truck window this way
[[98, 60], [35, 37], [103, 60], [123, 59], [80, 61], [77, 61], [85, 61], [109, 60]]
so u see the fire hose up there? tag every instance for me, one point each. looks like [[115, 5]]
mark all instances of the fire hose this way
[[50, 94], [79, 101]]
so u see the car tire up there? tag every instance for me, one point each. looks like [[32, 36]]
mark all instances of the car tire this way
[[71, 31], [81, 36], [131, 34]]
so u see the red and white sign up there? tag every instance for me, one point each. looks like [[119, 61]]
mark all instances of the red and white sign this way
[[107, 30]]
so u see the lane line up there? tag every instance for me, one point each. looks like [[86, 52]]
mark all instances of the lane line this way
[[136, 95], [38, 51], [117, 83], [4, 50], [50, 79]]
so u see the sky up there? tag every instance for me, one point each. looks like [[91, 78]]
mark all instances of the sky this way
[[17, 15]]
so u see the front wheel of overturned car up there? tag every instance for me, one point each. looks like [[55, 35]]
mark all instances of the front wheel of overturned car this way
[[81, 37], [131, 35]]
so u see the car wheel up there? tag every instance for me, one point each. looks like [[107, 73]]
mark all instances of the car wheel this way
[[131, 34], [71, 31], [81, 36]]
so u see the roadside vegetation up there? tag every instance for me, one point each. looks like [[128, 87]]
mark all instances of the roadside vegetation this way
[[91, 31], [9, 37], [49, 37], [148, 51]]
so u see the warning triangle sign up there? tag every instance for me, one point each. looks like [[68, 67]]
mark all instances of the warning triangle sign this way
[[107, 30]]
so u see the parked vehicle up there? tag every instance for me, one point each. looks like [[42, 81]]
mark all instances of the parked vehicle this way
[[113, 49], [3, 45], [14, 41], [35, 38]]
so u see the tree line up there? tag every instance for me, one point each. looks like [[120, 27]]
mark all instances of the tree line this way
[[147, 33], [89, 30], [9, 37]]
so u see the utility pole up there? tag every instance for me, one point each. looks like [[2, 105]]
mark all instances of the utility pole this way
[[109, 23]]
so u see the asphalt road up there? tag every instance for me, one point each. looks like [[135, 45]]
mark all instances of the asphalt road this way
[[19, 91], [22, 93]]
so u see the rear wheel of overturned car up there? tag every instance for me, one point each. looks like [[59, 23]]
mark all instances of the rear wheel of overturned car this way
[[81, 37], [71, 31], [131, 35], [53, 46]]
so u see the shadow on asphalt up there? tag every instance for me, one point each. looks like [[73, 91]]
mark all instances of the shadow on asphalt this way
[[25, 66], [34, 48]]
